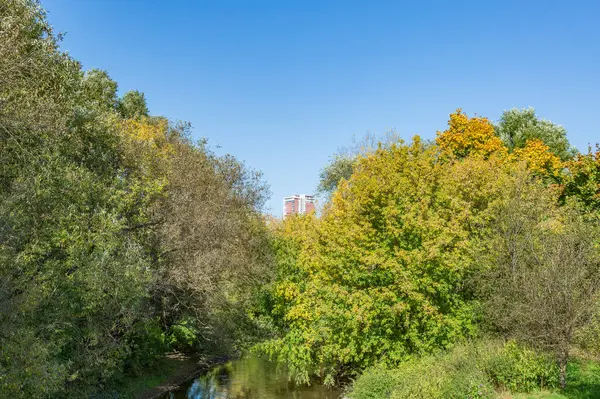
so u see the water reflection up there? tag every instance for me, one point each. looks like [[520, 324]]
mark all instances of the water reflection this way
[[250, 378]]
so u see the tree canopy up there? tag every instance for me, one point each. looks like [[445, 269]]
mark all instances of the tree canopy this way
[[390, 271], [120, 238], [517, 126]]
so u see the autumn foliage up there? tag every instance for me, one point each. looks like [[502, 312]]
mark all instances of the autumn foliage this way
[[386, 273], [469, 137]]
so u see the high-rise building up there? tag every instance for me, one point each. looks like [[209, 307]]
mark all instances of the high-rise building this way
[[299, 204]]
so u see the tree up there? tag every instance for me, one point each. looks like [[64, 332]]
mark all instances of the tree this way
[[582, 182], [132, 105], [381, 276], [341, 164], [115, 229], [213, 246], [475, 137], [540, 160], [517, 126], [339, 167], [543, 276], [100, 89], [469, 137]]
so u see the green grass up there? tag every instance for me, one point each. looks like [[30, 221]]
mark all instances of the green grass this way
[[583, 383], [537, 395]]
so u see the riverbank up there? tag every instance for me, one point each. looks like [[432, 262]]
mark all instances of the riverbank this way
[[168, 374]]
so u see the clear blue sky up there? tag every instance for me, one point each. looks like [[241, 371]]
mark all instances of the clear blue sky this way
[[282, 84]]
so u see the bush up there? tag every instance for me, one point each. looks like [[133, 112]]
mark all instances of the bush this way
[[183, 336], [587, 338], [148, 344], [518, 369], [456, 374], [374, 383], [470, 370]]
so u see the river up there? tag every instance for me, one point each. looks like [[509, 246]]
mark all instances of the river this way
[[249, 378]]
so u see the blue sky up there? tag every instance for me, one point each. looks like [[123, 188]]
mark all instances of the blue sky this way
[[282, 84]]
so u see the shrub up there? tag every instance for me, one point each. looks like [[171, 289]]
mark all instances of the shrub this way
[[148, 344], [375, 383], [469, 370], [456, 374], [519, 369], [183, 336]]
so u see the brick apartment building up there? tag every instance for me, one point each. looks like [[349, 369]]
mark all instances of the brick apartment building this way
[[299, 204]]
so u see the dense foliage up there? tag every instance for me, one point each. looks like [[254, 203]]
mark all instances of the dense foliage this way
[[119, 237], [122, 239], [473, 370], [408, 258], [517, 126], [543, 264], [341, 164], [383, 270]]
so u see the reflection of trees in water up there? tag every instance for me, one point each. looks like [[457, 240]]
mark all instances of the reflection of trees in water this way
[[222, 375], [209, 387], [252, 378]]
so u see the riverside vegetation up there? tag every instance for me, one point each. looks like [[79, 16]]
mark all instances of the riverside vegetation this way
[[120, 237], [463, 267]]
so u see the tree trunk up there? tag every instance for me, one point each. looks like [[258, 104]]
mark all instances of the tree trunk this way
[[562, 369]]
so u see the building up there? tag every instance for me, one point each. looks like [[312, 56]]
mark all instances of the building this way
[[299, 204]]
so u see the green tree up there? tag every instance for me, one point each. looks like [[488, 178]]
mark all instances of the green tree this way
[[102, 220], [339, 167], [543, 270], [341, 164], [133, 105], [517, 126], [99, 89], [582, 182], [66, 316], [213, 245], [381, 276]]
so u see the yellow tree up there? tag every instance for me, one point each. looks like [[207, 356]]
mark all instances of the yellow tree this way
[[382, 275], [539, 158], [146, 146], [475, 136], [583, 180], [469, 136]]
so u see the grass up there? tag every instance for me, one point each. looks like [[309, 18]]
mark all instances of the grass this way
[[583, 382]]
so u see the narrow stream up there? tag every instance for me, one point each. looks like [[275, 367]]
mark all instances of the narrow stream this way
[[249, 378]]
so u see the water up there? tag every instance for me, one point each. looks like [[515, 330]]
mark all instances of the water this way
[[250, 378]]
